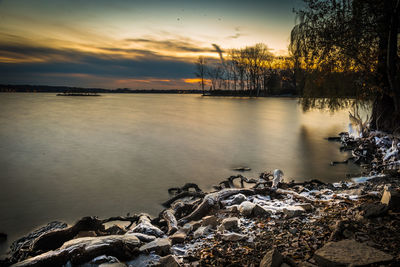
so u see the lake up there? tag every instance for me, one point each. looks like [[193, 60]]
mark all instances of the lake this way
[[62, 158]]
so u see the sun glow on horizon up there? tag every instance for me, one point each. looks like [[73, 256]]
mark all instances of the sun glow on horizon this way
[[142, 40]]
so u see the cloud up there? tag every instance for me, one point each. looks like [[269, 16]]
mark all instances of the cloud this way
[[237, 35], [74, 64], [170, 45]]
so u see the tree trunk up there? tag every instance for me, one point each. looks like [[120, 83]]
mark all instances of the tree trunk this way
[[386, 111], [384, 116]]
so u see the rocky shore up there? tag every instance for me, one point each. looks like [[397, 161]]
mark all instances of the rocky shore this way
[[245, 222]]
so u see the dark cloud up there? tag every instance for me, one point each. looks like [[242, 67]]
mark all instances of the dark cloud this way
[[171, 45], [57, 61]]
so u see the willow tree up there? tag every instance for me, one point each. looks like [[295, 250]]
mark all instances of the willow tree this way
[[354, 39]]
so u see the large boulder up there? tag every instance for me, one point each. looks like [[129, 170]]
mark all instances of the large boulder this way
[[272, 259], [349, 253]]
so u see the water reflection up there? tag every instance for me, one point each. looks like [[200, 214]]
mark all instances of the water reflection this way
[[63, 158]]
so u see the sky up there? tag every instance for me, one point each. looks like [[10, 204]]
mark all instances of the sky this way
[[134, 44]]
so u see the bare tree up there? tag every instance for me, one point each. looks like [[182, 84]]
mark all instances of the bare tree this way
[[201, 70]]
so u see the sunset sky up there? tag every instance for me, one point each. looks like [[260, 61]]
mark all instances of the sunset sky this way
[[130, 43]]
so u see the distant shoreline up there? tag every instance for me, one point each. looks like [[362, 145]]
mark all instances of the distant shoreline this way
[[81, 90]]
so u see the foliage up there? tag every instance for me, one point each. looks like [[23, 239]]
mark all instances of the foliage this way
[[353, 42], [252, 70]]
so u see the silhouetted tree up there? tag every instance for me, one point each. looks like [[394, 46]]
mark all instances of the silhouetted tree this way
[[201, 70], [356, 39]]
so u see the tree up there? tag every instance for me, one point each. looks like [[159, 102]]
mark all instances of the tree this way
[[350, 38], [215, 72], [201, 70]]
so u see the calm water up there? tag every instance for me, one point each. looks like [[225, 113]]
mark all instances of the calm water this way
[[66, 157]]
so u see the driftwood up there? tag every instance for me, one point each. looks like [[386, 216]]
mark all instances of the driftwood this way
[[182, 195], [212, 201], [132, 219], [82, 250], [185, 188], [295, 195], [169, 217], [242, 180], [55, 239], [183, 208], [145, 226]]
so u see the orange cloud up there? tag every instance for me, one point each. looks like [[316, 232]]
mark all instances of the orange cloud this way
[[195, 80]]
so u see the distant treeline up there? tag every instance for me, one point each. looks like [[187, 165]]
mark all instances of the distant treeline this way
[[66, 89], [255, 71]]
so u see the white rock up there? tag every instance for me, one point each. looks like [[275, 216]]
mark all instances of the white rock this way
[[246, 208]]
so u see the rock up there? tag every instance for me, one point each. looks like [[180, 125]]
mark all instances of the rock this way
[[169, 261], [186, 228], [391, 198], [143, 237], [178, 237], [293, 211], [233, 208], [349, 253], [231, 223], [202, 231], [306, 206], [246, 208], [260, 211], [233, 237], [272, 259], [211, 221], [160, 246], [370, 210], [80, 250], [104, 259], [238, 199], [86, 234]]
